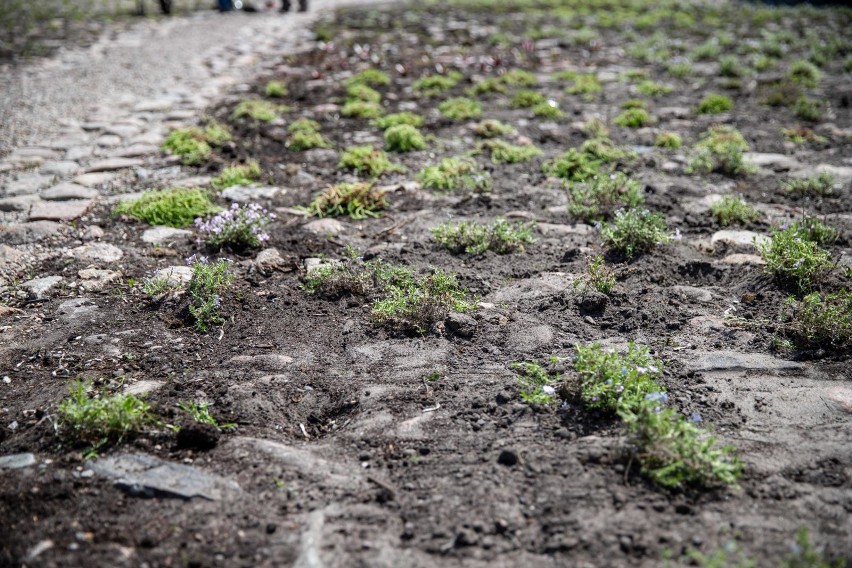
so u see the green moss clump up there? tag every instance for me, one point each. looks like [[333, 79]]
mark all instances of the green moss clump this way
[[176, 207]]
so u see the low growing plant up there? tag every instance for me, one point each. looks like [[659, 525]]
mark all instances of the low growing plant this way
[[635, 231], [369, 77], [820, 320], [176, 207], [821, 185], [804, 73], [536, 382], [598, 276], [361, 109], [527, 99], [260, 110], [101, 419], [491, 128], [503, 152], [475, 238], [355, 200], [791, 257], [720, 150], [733, 209], [200, 412], [669, 140], [548, 109], [368, 161], [808, 109], [361, 92], [460, 108], [194, 145], [816, 231], [435, 85], [398, 119], [715, 104], [206, 286], [597, 198], [606, 150], [404, 138], [456, 173], [239, 228], [634, 118], [572, 166], [611, 381], [241, 174], [275, 89], [653, 89], [586, 85]]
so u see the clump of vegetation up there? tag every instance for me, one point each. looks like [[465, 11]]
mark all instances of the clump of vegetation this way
[[354, 200], [404, 138], [503, 152], [536, 381], [733, 209], [487, 86], [801, 135], [519, 78], [808, 109], [715, 103], [805, 556], [361, 109], [586, 85], [572, 166], [820, 320], [194, 145], [670, 140], [176, 207], [611, 381], [633, 103], [606, 150], [243, 174], [791, 257], [491, 128], [368, 161], [729, 66], [260, 110], [475, 238], [598, 276], [653, 89], [361, 92], [460, 108], [680, 69], [435, 85], [634, 118], [102, 419], [240, 227], [598, 197], [206, 286], [635, 231], [275, 89], [548, 109], [399, 119], [305, 135], [596, 128], [456, 173], [804, 73], [815, 230], [720, 150], [369, 77], [527, 99], [200, 412]]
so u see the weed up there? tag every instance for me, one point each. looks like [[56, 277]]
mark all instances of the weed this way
[[808, 109], [548, 109], [487, 86], [302, 140], [586, 85], [102, 419], [368, 161], [240, 227], [670, 140], [200, 412], [596, 128], [783, 93], [804, 73], [634, 118], [802, 135], [245, 174], [194, 145], [820, 321], [805, 556], [216, 133], [715, 104], [597, 276], [635, 231], [503, 152], [733, 209], [527, 99], [399, 119], [720, 149], [606, 150], [791, 257], [361, 109], [404, 138], [176, 207], [653, 89], [303, 125], [706, 51], [598, 197], [262, 111], [416, 306], [612, 382], [455, 173], [815, 230], [369, 77], [519, 78], [680, 69], [355, 200], [207, 284], [572, 166], [361, 92], [491, 128], [156, 286], [727, 556], [460, 108], [474, 238], [275, 89], [537, 383], [729, 66], [633, 103], [435, 85]]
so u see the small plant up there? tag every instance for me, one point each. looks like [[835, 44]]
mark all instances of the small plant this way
[[537, 383], [503, 152], [816, 231], [606, 150], [635, 231], [820, 321], [435, 85], [680, 69], [804, 73], [729, 66], [176, 207], [612, 382], [801, 135], [708, 50], [240, 227], [305, 135], [369, 77], [194, 145], [733, 209], [596, 128], [275, 89], [157, 286], [808, 109], [460, 108], [361, 92], [527, 99], [368, 161], [653, 89], [715, 104], [634, 118], [491, 128], [572, 166], [586, 85], [720, 149], [200, 412], [598, 276], [487, 86], [404, 138], [599, 197], [355, 200], [244, 174], [102, 419], [474, 238], [790, 256], [634, 103], [361, 109], [548, 109], [519, 78], [669, 140], [260, 110], [206, 285], [805, 556], [398, 119], [450, 174]]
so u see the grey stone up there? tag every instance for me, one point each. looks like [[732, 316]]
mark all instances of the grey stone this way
[[526, 339], [96, 279], [154, 105], [160, 235], [176, 275], [77, 309], [20, 203], [739, 238], [136, 150], [559, 230], [774, 162], [123, 130], [693, 294], [265, 362], [716, 361], [268, 259], [11, 259], [17, 461], [541, 286], [30, 152], [66, 191], [144, 475], [95, 179], [324, 227], [462, 325], [59, 210], [26, 184], [740, 259], [108, 141], [103, 252], [22, 233], [60, 168], [39, 288], [68, 141], [79, 153], [840, 173], [241, 193], [841, 397], [312, 264], [112, 164], [143, 387]]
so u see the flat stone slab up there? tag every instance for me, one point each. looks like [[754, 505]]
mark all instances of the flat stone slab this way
[[159, 235], [66, 191], [26, 184], [692, 293], [144, 475], [324, 227], [176, 275], [17, 461], [96, 279], [39, 288], [775, 162], [103, 252], [739, 238], [23, 233], [241, 193], [59, 210], [266, 362], [112, 164], [61, 168], [95, 179], [19, 203], [720, 361], [541, 286], [738, 259]]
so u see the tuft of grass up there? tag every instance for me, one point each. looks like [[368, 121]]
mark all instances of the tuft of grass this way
[[244, 174], [793, 258], [729, 66], [475, 238], [503, 152], [156, 286], [548, 109], [275, 89], [435, 85], [460, 108], [606, 150], [176, 207], [633, 103], [572, 166], [670, 140], [612, 382], [597, 198], [715, 103], [491, 128], [635, 231], [720, 150], [808, 109], [399, 119], [519, 78], [527, 99], [536, 382], [586, 85], [804, 73], [361, 92], [304, 125], [456, 173], [200, 412], [653, 89], [354, 200], [815, 230], [361, 109], [260, 110], [801, 135], [680, 70], [733, 209], [194, 145], [598, 276], [368, 161], [634, 118], [596, 128], [404, 138], [209, 281], [305, 135], [369, 77], [487, 86], [820, 320], [101, 419]]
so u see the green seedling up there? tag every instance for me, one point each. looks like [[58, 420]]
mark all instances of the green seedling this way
[[259, 110], [491, 128], [368, 161], [733, 209], [435, 85], [503, 152], [275, 89], [101, 419], [804, 73], [598, 198], [653, 89], [361, 109], [369, 77], [792, 258], [634, 231], [527, 99], [200, 412], [475, 238], [460, 108], [634, 118], [361, 92], [598, 276], [206, 286], [549, 110], [808, 109], [244, 174], [404, 138], [605, 150]]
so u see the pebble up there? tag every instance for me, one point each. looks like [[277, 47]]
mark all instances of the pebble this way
[[103, 252], [160, 235], [324, 227], [59, 210], [17, 461], [65, 191], [39, 288]]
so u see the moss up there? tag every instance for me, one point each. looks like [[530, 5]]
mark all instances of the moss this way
[[176, 207]]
